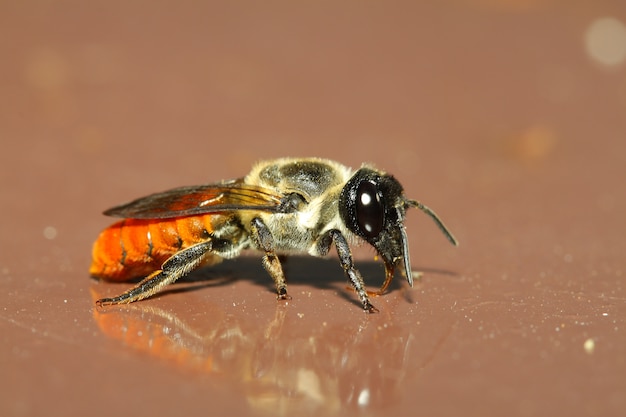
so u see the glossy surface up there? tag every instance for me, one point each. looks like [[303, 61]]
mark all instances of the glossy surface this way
[[506, 117]]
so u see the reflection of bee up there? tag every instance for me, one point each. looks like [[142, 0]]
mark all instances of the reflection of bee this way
[[283, 206]]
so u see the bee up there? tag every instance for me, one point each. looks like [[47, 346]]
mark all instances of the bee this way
[[283, 206]]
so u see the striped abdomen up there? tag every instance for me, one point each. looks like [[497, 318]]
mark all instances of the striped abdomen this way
[[134, 248]]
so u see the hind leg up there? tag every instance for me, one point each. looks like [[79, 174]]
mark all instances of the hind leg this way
[[173, 268]]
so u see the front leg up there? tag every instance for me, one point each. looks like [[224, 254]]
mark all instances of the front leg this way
[[345, 258], [264, 241]]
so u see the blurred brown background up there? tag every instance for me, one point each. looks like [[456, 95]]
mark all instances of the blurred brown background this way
[[507, 117]]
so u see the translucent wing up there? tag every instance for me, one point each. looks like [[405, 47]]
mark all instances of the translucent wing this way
[[200, 199]]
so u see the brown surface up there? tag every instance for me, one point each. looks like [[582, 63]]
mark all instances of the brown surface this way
[[492, 112]]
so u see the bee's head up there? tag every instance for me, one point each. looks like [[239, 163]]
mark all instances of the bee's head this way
[[372, 205]]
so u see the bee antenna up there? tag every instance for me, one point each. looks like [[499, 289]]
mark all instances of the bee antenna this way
[[442, 227]]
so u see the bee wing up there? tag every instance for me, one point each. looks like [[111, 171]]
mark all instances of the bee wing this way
[[200, 199]]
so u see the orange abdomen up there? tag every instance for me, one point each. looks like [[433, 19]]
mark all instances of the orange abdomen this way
[[134, 248]]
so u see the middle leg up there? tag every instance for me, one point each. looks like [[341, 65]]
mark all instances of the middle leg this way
[[271, 262]]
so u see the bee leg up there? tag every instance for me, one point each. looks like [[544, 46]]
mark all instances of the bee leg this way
[[173, 268], [345, 258], [271, 262]]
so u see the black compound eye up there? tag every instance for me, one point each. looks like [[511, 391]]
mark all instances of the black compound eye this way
[[369, 209]]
